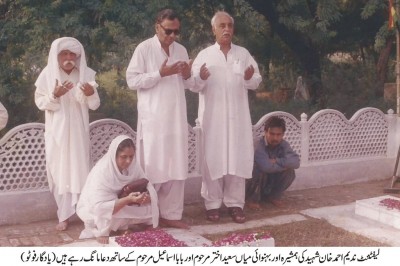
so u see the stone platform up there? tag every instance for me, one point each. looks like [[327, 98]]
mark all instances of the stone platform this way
[[374, 210]]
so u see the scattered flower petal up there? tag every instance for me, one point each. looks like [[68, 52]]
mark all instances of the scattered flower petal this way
[[160, 238], [390, 203], [150, 238], [241, 239]]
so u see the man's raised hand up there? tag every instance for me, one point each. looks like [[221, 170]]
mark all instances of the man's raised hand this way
[[169, 70], [204, 73], [62, 89], [248, 73], [186, 69], [87, 89]]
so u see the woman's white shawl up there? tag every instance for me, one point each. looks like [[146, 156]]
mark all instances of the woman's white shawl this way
[[99, 195]]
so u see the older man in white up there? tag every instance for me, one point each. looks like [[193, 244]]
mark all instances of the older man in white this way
[[160, 71], [224, 72], [3, 116], [66, 90]]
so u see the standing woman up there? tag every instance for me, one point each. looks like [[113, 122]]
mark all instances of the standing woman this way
[[99, 206]]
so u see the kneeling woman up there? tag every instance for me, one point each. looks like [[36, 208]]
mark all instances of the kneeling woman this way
[[99, 206]]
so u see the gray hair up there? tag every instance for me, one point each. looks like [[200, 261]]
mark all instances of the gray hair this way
[[219, 13]]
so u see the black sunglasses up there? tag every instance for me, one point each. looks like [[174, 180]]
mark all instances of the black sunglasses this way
[[169, 31]]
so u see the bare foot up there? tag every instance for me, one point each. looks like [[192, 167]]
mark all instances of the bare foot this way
[[102, 239], [174, 223], [62, 226]]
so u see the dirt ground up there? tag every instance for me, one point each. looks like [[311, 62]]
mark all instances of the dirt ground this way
[[312, 232]]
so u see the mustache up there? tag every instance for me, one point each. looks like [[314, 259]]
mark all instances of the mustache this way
[[69, 62]]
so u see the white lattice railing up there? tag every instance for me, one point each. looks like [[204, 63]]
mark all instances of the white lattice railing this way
[[334, 137], [326, 136]]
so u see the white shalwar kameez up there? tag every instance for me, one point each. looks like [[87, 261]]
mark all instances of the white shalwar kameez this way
[[66, 125], [225, 121], [3, 116], [162, 123], [100, 194]]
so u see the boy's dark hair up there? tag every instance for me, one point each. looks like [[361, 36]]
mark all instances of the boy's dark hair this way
[[275, 121], [167, 14]]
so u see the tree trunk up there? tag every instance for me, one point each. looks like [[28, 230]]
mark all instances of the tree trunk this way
[[301, 46], [310, 62], [382, 67]]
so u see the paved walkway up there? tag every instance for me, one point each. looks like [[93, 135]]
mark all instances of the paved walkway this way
[[318, 203]]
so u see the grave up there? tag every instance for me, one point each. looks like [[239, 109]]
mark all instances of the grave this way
[[376, 209], [190, 238]]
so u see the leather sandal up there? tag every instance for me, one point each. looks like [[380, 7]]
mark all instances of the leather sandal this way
[[213, 215], [237, 214]]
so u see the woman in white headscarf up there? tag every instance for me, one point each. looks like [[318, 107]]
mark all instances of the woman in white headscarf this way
[[99, 206]]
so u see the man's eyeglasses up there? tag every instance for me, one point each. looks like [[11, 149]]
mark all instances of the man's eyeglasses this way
[[169, 31]]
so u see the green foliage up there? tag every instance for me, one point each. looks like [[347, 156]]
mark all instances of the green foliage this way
[[110, 30], [116, 102], [371, 7], [313, 19], [351, 86], [259, 108]]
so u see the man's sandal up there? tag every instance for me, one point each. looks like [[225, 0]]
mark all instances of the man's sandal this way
[[213, 215], [237, 214]]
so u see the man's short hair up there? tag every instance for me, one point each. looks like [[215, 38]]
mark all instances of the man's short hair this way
[[218, 13], [167, 14], [275, 121]]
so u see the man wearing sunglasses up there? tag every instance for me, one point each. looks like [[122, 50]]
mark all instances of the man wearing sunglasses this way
[[160, 70], [224, 72]]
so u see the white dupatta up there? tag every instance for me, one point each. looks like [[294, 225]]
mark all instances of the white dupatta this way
[[100, 192]]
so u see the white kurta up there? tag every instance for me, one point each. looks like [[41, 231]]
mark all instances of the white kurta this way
[[224, 114], [66, 132], [3, 116], [99, 196], [66, 121], [162, 122]]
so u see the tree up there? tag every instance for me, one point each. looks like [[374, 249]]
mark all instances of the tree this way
[[384, 39], [109, 30], [298, 33], [313, 29]]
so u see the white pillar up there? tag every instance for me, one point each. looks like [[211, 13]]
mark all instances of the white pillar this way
[[392, 142], [305, 138]]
